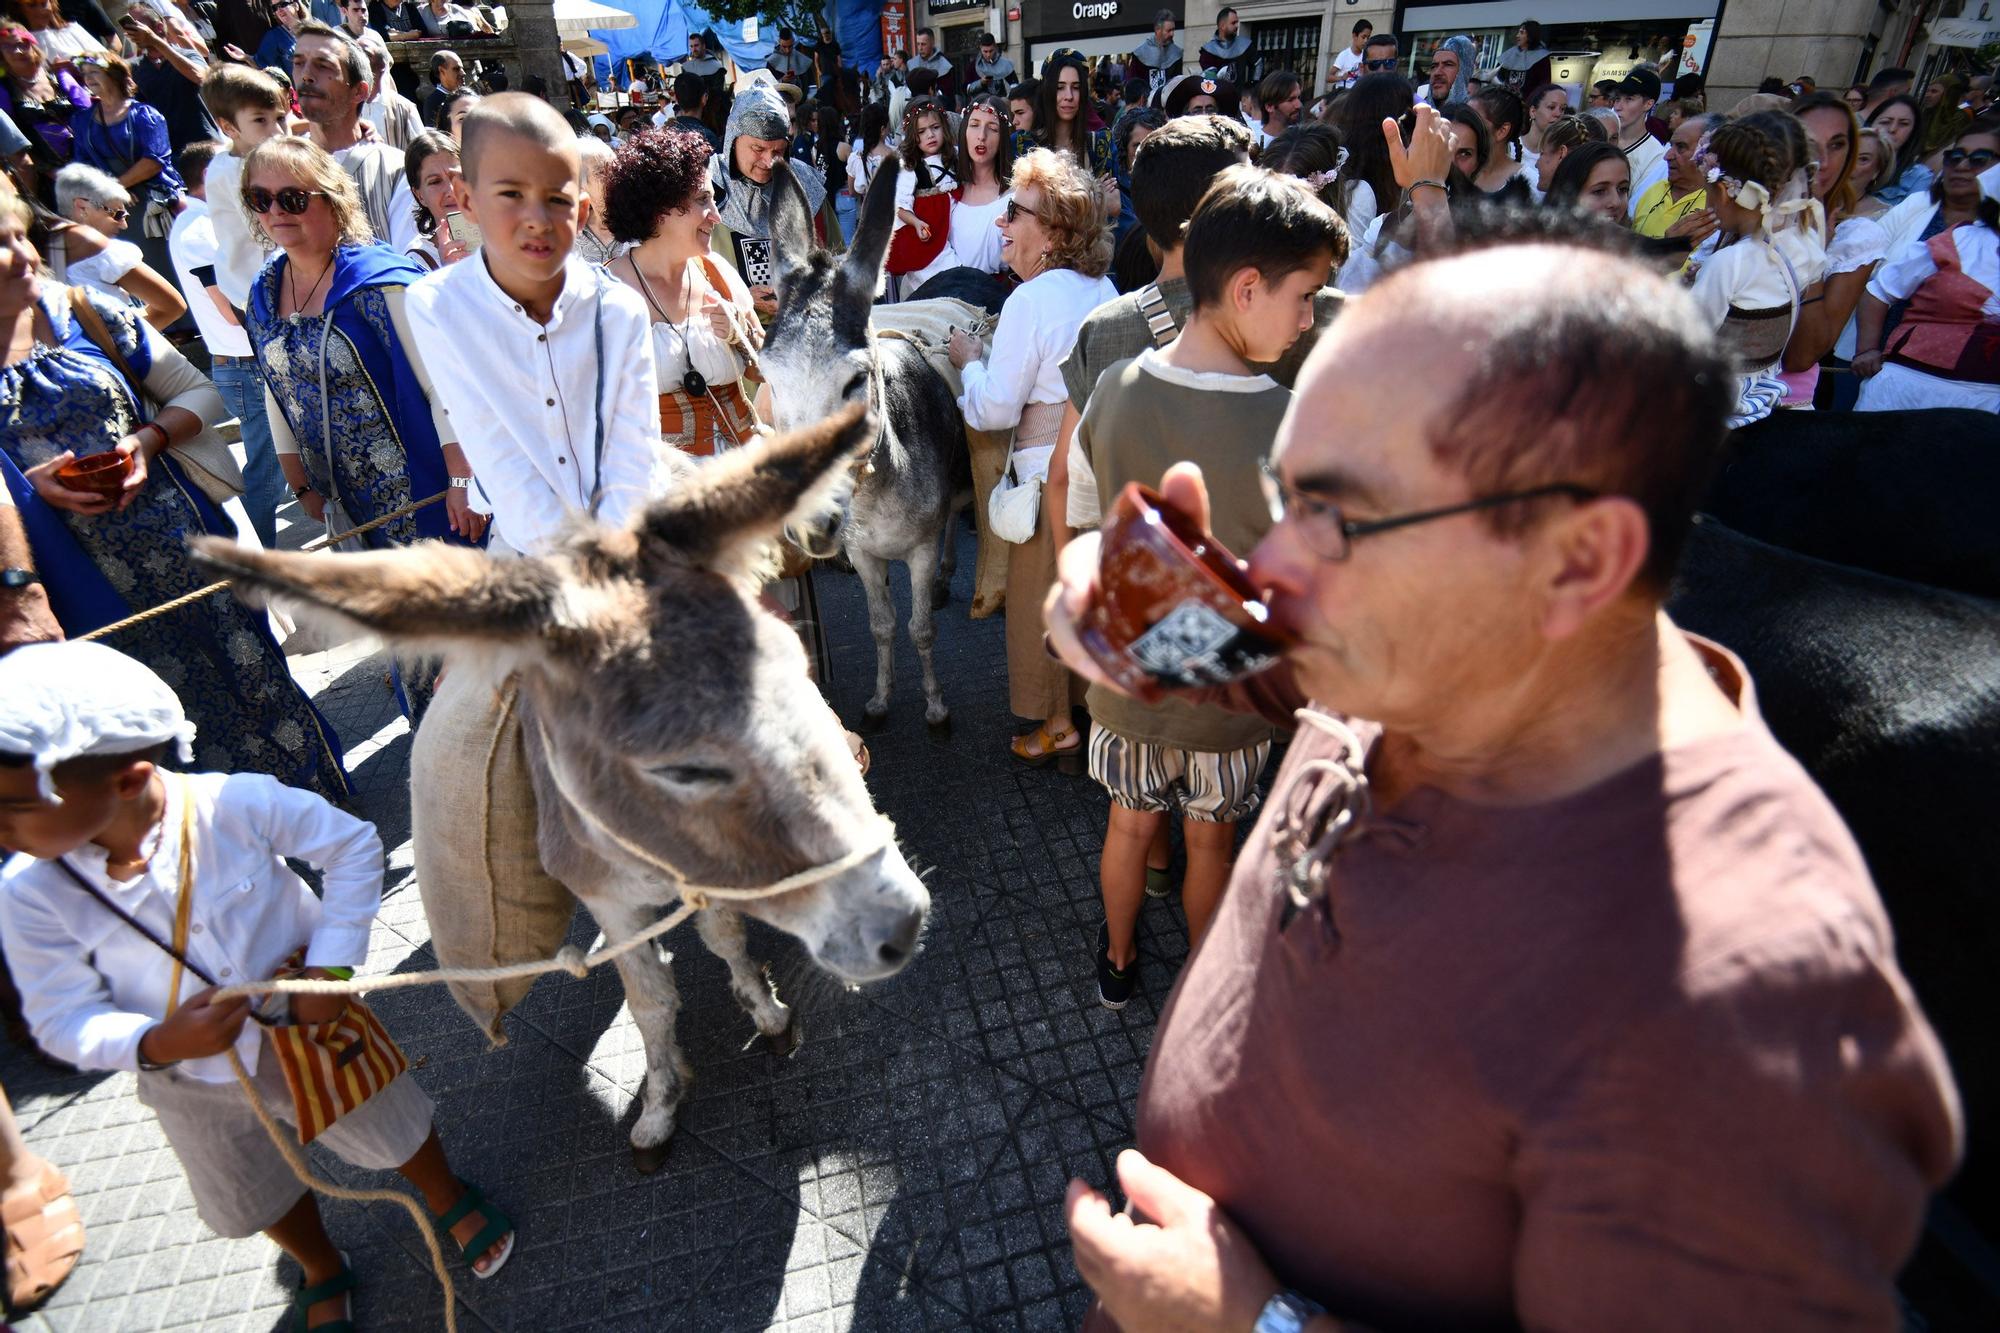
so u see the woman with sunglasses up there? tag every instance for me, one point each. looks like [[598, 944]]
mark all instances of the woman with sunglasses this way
[[1056, 239], [42, 101], [63, 40], [1945, 350], [64, 395], [348, 400]]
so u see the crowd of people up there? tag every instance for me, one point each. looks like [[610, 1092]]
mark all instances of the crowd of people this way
[[475, 319]]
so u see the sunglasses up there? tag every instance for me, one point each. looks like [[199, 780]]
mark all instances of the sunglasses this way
[[119, 213], [1980, 158], [1014, 210], [292, 199], [1390, 63]]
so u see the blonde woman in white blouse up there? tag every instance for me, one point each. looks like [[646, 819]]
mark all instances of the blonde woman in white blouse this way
[[1056, 240]]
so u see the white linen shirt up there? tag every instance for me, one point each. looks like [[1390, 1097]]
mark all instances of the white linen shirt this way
[[1037, 328], [521, 396], [91, 986], [238, 253], [191, 245]]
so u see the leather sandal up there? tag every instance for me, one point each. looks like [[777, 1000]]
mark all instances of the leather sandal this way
[[1050, 749], [44, 1238]]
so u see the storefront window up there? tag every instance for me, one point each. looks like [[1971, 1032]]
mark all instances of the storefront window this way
[[1582, 53], [1277, 44]]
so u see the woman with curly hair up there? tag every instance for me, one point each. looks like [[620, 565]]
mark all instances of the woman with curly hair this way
[[429, 164], [1056, 239], [349, 402], [659, 202]]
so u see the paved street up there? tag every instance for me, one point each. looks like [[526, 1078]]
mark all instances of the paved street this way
[[904, 1171]]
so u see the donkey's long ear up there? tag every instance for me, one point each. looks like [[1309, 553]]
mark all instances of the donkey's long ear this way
[[791, 227], [427, 599], [734, 504], [862, 269]]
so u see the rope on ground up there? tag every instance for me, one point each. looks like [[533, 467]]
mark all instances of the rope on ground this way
[[296, 1160], [185, 599]]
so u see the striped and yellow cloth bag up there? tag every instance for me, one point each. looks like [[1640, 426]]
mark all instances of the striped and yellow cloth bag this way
[[335, 1066]]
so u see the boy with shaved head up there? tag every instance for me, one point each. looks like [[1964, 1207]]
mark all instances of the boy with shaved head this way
[[572, 426]]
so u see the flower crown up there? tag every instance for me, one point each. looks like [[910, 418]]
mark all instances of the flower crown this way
[[1747, 194]]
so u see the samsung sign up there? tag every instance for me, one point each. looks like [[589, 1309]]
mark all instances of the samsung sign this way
[[1046, 19]]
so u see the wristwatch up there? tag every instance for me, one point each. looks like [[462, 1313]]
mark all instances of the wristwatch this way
[[1286, 1312], [15, 579]]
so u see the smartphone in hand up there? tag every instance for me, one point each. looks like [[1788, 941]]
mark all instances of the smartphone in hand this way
[[463, 230]]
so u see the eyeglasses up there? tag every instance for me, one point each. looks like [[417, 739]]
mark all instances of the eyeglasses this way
[[1980, 158], [1330, 536], [292, 199], [117, 213], [1014, 210], [1390, 63]]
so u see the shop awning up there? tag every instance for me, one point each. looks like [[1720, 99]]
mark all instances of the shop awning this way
[[576, 18], [1970, 33], [1554, 14]]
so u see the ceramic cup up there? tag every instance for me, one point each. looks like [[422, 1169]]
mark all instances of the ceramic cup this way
[[1173, 610], [101, 474]]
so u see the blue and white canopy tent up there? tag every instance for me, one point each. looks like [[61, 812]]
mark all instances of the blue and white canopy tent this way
[[660, 29]]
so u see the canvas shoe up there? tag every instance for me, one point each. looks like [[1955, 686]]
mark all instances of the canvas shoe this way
[[1114, 985]]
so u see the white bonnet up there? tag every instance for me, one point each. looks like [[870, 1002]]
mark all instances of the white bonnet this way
[[60, 701]]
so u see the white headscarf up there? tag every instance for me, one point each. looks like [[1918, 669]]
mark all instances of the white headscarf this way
[[61, 701]]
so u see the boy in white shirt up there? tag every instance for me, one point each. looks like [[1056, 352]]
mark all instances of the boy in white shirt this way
[[112, 849], [249, 107], [555, 400]]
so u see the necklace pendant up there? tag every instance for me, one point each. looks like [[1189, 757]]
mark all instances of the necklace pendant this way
[[693, 383]]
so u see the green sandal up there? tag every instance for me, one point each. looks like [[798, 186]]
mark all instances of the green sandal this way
[[340, 1284], [499, 1227]]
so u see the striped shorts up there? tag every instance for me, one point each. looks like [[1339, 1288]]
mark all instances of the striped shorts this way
[[1140, 775]]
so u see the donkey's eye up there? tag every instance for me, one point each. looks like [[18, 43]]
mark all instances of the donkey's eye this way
[[694, 775], [855, 384]]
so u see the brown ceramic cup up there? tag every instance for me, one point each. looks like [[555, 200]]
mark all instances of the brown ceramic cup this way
[[1173, 609], [100, 474]]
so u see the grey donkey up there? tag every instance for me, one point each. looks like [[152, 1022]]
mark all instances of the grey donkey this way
[[667, 718], [819, 354]]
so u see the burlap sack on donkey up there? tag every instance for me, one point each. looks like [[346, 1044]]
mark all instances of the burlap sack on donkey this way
[[928, 324], [479, 869]]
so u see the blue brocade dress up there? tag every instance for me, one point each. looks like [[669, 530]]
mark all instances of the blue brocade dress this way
[[369, 440], [216, 654]]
